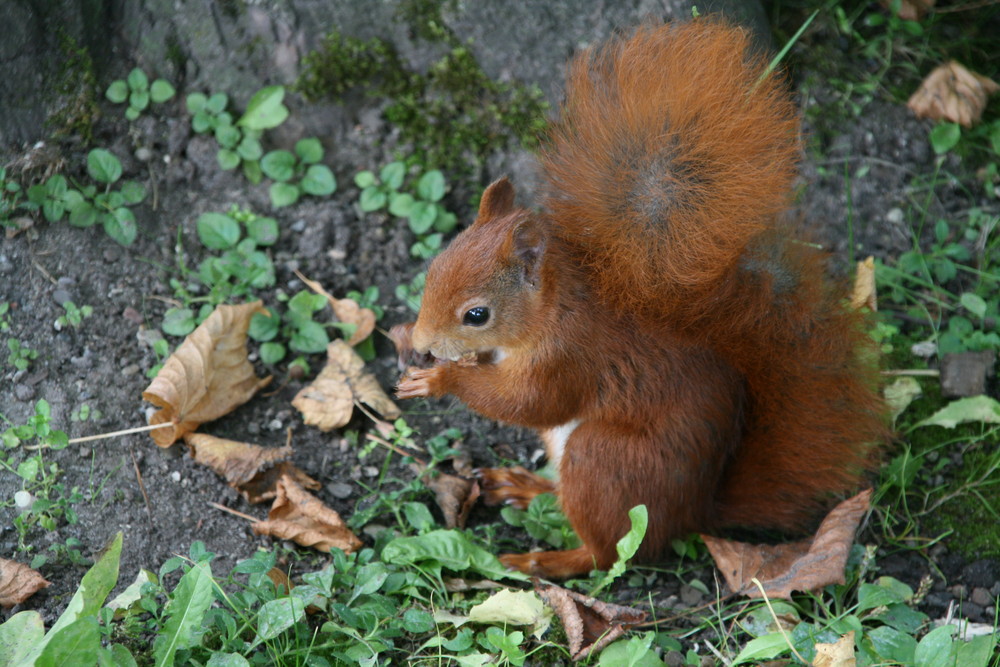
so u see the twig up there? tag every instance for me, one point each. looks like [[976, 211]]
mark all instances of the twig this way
[[45, 273], [784, 634], [918, 372], [142, 487], [385, 443], [128, 431], [223, 508]]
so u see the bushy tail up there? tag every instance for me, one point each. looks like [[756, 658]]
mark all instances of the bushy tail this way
[[674, 149]]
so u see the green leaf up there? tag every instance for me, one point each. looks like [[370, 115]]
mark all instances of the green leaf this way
[[936, 649], [161, 91], [762, 648], [364, 179], [977, 652], [76, 644], [227, 159], [137, 80], [447, 548], [201, 122], [89, 596], [218, 231], [217, 103], [421, 217], [279, 165], [431, 186], [264, 231], [139, 100], [309, 338], [56, 186], [632, 652], [276, 616], [53, 209], [400, 204], [393, 174], [133, 192], [185, 613], [974, 304], [81, 212], [309, 150], [250, 149], [891, 644], [319, 181], [18, 635], [195, 102], [975, 409], [372, 199], [272, 353], [117, 92], [283, 194], [178, 322], [417, 621], [265, 109], [120, 226], [251, 169], [103, 166], [945, 136]]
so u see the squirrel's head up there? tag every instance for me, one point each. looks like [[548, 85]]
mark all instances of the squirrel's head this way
[[483, 293]]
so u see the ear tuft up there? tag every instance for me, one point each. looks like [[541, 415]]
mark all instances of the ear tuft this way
[[498, 199]]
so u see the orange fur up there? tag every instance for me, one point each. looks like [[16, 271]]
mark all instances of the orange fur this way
[[674, 346]]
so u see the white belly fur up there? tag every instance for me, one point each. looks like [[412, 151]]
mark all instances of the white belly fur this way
[[555, 441]]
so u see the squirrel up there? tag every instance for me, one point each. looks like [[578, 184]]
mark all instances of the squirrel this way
[[655, 322]]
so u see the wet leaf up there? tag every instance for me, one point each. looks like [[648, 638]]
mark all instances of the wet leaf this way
[[328, 402], [952, 93], [799, 566], [207, 376], [590, 624], [299, 516], [18, 583], [346, 310]]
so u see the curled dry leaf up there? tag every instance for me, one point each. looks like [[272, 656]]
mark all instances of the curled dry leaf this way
[[346, 310], [299, 516], [250, 469], [838, 654], [864, 286], [590, 624], [800, 566], [952, 93], [455, 495], [328, 402], [18, 583], [208, 376]]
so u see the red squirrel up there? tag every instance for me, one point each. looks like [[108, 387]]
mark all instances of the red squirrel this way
[[671, 343]]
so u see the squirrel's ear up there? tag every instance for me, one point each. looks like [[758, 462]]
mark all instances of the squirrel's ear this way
[[498, 199], [528, 244]]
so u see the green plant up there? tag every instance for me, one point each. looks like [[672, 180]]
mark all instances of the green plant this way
[[239, 142], [11, 196], [296, 325], [412, 292], [544, 521], [297, 173], [5, 320], [138, 92], [425, 215], [73, 316], [242, 266], [21, 355]]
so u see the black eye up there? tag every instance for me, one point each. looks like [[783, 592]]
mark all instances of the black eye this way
[[476, 317]]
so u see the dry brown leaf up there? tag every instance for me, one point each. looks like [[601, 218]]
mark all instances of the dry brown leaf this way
[[800, 566], [280, 580], [838, 654], [250, 469], [455, 495], [328, 402], [910, 10], [208, 376], [590, 624], [951, 92], [346, 310], [18, 583], [299, 516], [864, 286]]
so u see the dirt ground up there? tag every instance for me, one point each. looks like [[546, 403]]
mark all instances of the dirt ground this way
[[103, 362]]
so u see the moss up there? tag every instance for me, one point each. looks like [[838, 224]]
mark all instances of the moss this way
[[453, 115], [75, 89]]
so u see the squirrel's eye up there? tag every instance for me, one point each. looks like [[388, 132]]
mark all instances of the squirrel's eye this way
[[476, 317]]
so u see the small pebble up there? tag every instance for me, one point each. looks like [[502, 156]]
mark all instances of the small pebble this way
[[61, 296], [175, 476], [130, 370], [340, 490], [143, 154], [24, 392], [132, 315], [982, 597]]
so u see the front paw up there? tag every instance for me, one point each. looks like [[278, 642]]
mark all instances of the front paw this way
[[419, 383]]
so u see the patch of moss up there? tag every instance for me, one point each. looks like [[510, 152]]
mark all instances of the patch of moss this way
[[453, 115], [75, 92]]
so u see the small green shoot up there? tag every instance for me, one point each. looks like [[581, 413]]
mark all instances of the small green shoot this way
[[298, 173], [21, 355], [138, 92], [73, 315]]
